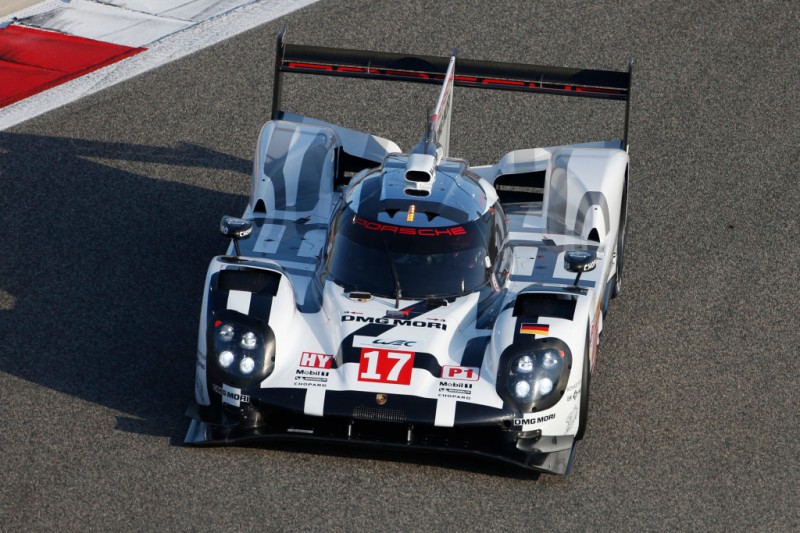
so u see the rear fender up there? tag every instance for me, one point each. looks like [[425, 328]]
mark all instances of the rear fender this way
[[583, 191]]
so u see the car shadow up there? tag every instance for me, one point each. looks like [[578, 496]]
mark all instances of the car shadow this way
[[101, 270], [412, 456], [101, 281]]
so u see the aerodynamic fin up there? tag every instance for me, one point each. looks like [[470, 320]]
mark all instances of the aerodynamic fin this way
[[439, 125]]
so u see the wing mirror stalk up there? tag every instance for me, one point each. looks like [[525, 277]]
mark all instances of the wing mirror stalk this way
[[235, 229]]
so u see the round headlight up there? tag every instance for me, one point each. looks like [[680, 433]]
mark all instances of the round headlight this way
[[225, 332], [522, 389], [225, 359], [543, 387], [249, 340], [550, 359], [247, 365], [524, 364]]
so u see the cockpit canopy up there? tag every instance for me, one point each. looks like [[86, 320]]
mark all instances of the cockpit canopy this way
[[387, 236]]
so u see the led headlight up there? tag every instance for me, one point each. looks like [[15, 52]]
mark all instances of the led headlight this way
[[522, 389], [249, 341], [225, 332], [225, 358], [247, 365], [242, 348], [535, 374], [544, 387], [524, 364], [550, 359]]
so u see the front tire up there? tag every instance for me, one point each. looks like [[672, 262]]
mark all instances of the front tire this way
[[586, 380]]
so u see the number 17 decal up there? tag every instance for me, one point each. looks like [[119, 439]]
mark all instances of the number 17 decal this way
[[384, 366]]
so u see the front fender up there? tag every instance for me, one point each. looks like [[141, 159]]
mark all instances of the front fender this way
[[540, 317], [258, 292]]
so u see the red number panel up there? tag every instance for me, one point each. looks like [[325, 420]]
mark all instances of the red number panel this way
[[385, 366]]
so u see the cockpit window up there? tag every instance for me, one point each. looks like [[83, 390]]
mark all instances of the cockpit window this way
[[375, 257], [300, 163]]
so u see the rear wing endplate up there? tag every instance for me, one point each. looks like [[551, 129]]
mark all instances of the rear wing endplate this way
[[586, 83]]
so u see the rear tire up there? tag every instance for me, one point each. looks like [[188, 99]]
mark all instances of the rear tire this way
[[623, 232]]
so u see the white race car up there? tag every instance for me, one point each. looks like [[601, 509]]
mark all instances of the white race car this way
[[409, 300]]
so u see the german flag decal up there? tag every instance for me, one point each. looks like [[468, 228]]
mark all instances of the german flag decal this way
[[534, 329]]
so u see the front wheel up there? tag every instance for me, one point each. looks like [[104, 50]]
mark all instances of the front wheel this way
[[586, 380]]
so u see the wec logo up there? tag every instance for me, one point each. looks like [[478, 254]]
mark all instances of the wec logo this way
[[394, 343], [362, 341]]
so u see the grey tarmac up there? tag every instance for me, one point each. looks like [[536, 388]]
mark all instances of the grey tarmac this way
[[110, 209]]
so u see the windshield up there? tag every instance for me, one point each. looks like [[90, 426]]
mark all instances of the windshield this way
[[437, 261]]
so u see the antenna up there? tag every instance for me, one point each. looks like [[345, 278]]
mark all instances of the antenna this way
[[426, 131]]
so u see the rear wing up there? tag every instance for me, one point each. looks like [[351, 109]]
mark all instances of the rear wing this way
[[585, 83]]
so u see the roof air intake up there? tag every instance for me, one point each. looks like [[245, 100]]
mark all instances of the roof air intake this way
[[420, 168], [418, 176], [420, 173]]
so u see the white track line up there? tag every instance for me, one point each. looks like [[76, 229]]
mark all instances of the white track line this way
[[168, 49]]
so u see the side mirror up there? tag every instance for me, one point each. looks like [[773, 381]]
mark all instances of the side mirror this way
[[235, 229], [580, 261]]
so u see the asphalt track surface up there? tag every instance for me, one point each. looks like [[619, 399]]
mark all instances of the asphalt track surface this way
[[110, 207]]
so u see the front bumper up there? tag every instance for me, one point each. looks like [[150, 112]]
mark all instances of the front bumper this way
[[501, 442]]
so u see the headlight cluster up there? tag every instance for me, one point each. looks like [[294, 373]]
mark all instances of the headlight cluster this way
[[241, 348], [536, 374]]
